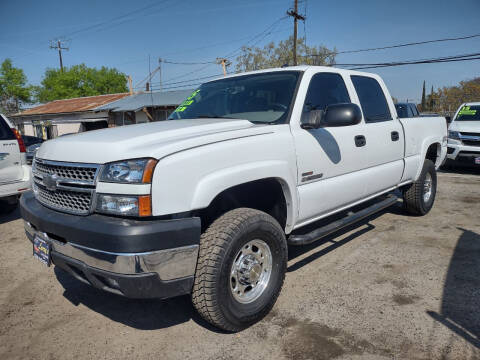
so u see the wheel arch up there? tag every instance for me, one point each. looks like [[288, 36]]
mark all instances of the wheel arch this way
[[252, 185]]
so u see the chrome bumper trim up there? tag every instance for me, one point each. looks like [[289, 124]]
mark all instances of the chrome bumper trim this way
[[169, 264]]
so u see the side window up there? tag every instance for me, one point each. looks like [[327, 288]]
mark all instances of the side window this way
[[325, 89], [372, 99], [415, 110]]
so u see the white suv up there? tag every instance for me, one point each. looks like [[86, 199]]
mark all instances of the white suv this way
[[14, 172]]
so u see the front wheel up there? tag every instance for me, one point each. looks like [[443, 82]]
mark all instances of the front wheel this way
[[419, 196], [241, 267]]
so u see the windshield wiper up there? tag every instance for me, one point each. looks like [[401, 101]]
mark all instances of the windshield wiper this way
[[204, 116]]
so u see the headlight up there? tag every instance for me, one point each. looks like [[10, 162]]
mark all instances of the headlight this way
[[124, 205], [454, 135], [129, 171]]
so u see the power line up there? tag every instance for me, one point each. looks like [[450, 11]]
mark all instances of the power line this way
[[57, 45], [453, 58], [402, 45]]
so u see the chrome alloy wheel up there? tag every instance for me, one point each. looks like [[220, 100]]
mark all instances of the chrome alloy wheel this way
[[251, 271], [427, 187]]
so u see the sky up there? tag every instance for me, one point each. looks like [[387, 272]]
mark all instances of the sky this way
[[132, 35]]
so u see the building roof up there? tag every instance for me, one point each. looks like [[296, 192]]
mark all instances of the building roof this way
[[141, 100], [73, 105]]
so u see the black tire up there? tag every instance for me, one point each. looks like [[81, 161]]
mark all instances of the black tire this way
[[219, 244], [7, 207], [413, 198]]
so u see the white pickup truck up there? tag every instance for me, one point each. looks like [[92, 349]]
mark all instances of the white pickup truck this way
[[464, 136], [206, 202]]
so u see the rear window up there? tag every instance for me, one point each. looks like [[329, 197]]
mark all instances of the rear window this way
[[469, 113], [5, 132], [372, 99]]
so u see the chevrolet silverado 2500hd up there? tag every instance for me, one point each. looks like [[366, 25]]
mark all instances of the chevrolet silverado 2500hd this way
[[206, 202], [464, 136]]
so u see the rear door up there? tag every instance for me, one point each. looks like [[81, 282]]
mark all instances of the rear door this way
[[10, 157], [383, 135]]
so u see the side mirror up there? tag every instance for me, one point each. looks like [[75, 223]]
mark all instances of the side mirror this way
[[449, 119], [312, 119], [341, 115]]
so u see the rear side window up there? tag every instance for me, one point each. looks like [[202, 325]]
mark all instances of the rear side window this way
[[5, 132], [372, 99], [325, 89]]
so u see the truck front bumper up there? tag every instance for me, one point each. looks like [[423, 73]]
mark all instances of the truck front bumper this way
[[136, 259], [460, 154]]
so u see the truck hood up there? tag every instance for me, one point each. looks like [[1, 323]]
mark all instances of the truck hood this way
[[465, 126], [155, 140]]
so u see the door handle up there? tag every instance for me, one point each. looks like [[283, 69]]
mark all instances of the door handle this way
[[360, 141], [395, 136]]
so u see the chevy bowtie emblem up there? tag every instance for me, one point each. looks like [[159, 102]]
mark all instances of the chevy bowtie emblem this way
[[50, 182]]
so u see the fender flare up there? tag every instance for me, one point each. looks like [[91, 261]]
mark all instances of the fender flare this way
[[423, 155], [214, 183]]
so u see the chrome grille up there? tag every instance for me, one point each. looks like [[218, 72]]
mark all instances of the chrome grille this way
[[66, 187], [67, 201], [67, 172]]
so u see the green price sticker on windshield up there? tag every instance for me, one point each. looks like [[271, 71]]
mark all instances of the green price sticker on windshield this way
[[467, 111], [183, 106]]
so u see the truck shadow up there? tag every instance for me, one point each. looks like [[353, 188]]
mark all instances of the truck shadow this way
[[361, 228], [141, 314], [460, 299], [5, 218]]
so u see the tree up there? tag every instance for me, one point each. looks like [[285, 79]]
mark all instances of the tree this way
[[80, 81], [14, 90], [448, 99], [424, 102], [276, 55]]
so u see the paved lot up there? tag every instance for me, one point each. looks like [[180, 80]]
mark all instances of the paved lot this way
[[392, 287]]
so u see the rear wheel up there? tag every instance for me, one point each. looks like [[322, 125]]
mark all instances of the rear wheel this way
[[241, 268], [420, 196]]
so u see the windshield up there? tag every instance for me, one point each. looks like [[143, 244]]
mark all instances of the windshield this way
[[259, 98], [469, 113]]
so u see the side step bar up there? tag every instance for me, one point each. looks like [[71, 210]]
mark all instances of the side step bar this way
[[341, 223]]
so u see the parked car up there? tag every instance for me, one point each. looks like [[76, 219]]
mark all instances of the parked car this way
[[14, 174], [464, 136], [32, 143], [206, 202], [406, 110]]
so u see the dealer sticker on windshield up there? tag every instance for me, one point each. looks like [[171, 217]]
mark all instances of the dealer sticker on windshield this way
[[477, 160]]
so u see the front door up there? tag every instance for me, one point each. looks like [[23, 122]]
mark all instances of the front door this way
[[329, 160]]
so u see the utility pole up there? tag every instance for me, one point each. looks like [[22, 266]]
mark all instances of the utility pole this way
[[296, 16], [130, 86], [224, 62], [160, 71], [57, 45]]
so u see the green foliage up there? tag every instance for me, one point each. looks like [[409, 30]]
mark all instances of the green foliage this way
[[448, 99], [79, 81], [14, 90], [276, 55]]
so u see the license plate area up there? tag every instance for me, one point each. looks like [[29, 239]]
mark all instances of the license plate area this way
[[41, 250]]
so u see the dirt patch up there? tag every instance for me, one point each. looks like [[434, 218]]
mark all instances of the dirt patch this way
[[470, 199], [400, 299]]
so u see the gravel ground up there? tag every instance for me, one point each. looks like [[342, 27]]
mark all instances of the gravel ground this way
[[392, 287]]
